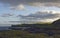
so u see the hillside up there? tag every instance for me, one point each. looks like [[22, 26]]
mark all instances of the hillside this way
[[56, 23]]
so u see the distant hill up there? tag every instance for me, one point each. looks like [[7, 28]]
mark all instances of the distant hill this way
[[56, 23]]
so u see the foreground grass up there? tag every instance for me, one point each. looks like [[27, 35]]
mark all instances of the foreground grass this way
[[19, 34], [23, 34]]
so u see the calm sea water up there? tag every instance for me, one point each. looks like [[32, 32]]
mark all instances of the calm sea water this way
[[4, 27]]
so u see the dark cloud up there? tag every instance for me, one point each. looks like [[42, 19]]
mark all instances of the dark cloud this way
[[7, 15], [18, 1], [32, 2], [42, 15]]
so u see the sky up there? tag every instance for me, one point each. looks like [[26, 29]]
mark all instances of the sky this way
[[29, 10]]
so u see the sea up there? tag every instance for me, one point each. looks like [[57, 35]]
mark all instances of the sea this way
[[4, 27]]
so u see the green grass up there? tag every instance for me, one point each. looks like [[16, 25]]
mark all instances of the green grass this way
[[23, 34], [20, 34]]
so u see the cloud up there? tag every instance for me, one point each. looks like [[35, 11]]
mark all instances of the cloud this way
[[32, 2], [13, 4], [19, 7], [7, 15], [42, 15]]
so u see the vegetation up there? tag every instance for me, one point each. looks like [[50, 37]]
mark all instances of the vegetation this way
[[56, 23], [22, 34]]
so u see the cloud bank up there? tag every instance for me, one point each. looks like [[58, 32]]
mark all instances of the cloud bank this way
[[42, 16], [32, 2], [39, 16]]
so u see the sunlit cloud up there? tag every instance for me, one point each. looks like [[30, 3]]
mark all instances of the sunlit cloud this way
[[19, 7]]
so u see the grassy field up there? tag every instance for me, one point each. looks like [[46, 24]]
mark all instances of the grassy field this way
[[24, 34]]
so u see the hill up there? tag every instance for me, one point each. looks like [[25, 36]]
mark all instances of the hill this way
[[56, 23]]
